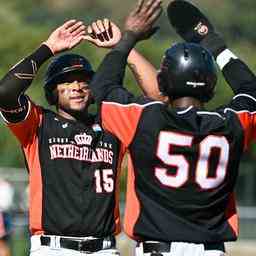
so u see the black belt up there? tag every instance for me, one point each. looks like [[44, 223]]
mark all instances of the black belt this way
[[160, 247], [92, 245]]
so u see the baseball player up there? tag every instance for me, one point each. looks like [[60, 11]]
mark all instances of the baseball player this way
[[183, 159], [73, 164]]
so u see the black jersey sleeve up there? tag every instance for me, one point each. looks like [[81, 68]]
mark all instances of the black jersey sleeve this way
[[240, 78], [13, 103], [243, 82], [120, 110], [107, 83]]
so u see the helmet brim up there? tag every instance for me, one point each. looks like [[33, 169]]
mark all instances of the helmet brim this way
[[68, 75]]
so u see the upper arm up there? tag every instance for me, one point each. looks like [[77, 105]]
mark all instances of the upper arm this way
[[236, 73], [24, 123], [121, 116], [121, 119], [244, 105]]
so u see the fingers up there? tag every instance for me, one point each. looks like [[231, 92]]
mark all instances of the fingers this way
[[89, 38], [75, 26], [155, 15], [148, 5], [68, 24], [97, 31], [80, 29], [138, 6], [154, 5], [103, 33], [152, 10], [108, 28], [76, 40], [101, 27], [90, 31], [106, 23]]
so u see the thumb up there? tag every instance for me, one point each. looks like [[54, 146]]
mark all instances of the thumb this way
[[90, 39]]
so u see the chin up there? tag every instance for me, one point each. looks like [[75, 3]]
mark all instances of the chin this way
[[79, 107]]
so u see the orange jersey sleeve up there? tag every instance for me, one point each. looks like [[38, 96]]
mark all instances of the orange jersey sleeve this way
[[121, 119], [244, 107], [26, 130], [248, 122]]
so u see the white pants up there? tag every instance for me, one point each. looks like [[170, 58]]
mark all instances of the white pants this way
[[183, 249], [54, 249]]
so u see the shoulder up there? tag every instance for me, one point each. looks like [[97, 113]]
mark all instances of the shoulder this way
[[139, 102]]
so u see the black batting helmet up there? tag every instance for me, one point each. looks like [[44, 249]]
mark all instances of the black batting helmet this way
[[188, 70], [66, 68]]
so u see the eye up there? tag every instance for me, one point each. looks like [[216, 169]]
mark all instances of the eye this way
[[84, 86]]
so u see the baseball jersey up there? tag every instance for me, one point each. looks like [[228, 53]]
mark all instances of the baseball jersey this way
[[183, 162], [73, 174]]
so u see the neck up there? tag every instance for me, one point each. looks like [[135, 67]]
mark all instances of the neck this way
[[186, 102], [73, 115]]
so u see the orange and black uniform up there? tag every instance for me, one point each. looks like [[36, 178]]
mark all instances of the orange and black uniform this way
[[73, 166], [183, 162]]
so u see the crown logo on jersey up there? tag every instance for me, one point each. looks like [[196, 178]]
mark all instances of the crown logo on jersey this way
[[83, 139]]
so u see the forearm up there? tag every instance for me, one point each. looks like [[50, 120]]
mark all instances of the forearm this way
[[145, 74], [237, 74], [111, 71], [20, 77]]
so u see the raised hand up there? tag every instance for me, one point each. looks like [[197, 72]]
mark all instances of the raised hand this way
[[103, 33], [66, 37], [140, 21]]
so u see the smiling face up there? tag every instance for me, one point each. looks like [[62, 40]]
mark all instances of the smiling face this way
[[73, 97]]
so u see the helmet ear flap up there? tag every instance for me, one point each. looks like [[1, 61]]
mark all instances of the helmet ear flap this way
[[92, 100], [51, 97], [162, 83]]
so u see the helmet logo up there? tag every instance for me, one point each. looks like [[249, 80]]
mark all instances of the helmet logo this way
[[195, 84], [201, 29]]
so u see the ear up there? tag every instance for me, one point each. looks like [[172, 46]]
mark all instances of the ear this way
[[51, 96], [92, 100]]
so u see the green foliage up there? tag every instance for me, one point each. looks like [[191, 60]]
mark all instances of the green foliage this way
[[25, 24]]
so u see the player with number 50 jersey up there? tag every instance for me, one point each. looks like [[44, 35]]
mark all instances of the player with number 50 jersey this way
[[183, 160]]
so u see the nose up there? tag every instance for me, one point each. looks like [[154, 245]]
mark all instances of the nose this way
[[75, 86]]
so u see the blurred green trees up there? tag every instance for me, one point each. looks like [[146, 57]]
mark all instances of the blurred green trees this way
[[25, 24]]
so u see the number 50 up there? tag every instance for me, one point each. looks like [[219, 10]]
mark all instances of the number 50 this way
[[166, 142]]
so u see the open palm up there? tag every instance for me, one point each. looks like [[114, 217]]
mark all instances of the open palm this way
[[103, 33], [66, 36]]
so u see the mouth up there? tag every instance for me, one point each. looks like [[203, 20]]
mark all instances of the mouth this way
[[78, 99]]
